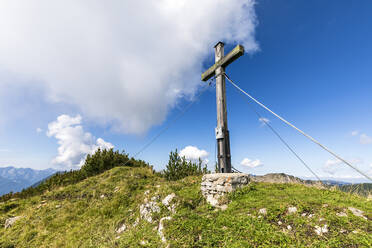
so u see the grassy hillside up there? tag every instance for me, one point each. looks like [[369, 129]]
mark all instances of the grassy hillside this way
[[88, 214], [364, 189]]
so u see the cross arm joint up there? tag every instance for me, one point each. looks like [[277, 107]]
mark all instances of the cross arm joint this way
[[225, 61]]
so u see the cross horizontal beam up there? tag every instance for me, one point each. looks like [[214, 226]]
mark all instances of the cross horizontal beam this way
[[225, 61]]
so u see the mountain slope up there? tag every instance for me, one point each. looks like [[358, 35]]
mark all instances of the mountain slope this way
[[7, 185], [15, 179], [89, 214]]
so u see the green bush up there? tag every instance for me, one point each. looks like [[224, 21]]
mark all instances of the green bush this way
[[178, 167]]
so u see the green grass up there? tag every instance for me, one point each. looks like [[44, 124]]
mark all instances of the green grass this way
[[77, 216]]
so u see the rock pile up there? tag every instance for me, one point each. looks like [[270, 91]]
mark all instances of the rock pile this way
[[213, 186]]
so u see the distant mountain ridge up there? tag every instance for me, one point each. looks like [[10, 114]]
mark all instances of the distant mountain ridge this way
[[15, 179]]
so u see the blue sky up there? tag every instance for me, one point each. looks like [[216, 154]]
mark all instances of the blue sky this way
[[312, 66]]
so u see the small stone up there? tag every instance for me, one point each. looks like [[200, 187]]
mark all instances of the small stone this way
[[102, 196], [303, 215], [342, 231], [224, 228], [117, 237], [116, 189], [325, 205], [146, 192], [355, 231], [10, 222], [157, 186], [167, 200], [223, 207], [320, 230], [155, 198], [263, 211], [289, 227], [357, 212], [143, 242], [292, 210], [121, 229], [147, 209], [58, 206], [310, 216], [321, 219], [341, 214], [279, 222]]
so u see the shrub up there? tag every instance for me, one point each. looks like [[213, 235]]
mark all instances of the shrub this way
[[178, 167]]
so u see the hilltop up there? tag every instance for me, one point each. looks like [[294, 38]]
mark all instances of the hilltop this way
[[134, 207]]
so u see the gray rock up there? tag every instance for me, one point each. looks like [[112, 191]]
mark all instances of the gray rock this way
[[357, 212], [167, 200], [320, 230], [10, 222], [292, 210], [341, 214], [147, 209], [121, 229], [262, 211]]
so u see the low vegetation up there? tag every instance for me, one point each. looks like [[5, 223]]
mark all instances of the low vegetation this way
[[178, 167], [107, 210]]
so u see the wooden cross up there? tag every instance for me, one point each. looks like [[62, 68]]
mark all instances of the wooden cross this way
[[222, 133]]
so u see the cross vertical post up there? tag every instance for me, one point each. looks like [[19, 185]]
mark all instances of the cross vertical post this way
[[223, 140], [222, 132]]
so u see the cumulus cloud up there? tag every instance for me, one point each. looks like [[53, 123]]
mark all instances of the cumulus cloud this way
[[74, 142], [251, 163], [193, 153], [125, 63]]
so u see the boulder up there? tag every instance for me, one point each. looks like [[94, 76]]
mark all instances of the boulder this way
[[10, 222]]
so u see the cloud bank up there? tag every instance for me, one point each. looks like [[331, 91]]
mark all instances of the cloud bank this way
[[123, 63], [74, 143]]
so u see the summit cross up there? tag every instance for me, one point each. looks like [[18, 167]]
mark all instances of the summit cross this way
[[222, 132]]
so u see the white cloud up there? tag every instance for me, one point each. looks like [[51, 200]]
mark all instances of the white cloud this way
[[74, 143], [39, 130], [355, 133], [365, 139], [193, 153], [251, 163], [334, 166], [125, 63], [331, 166]]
